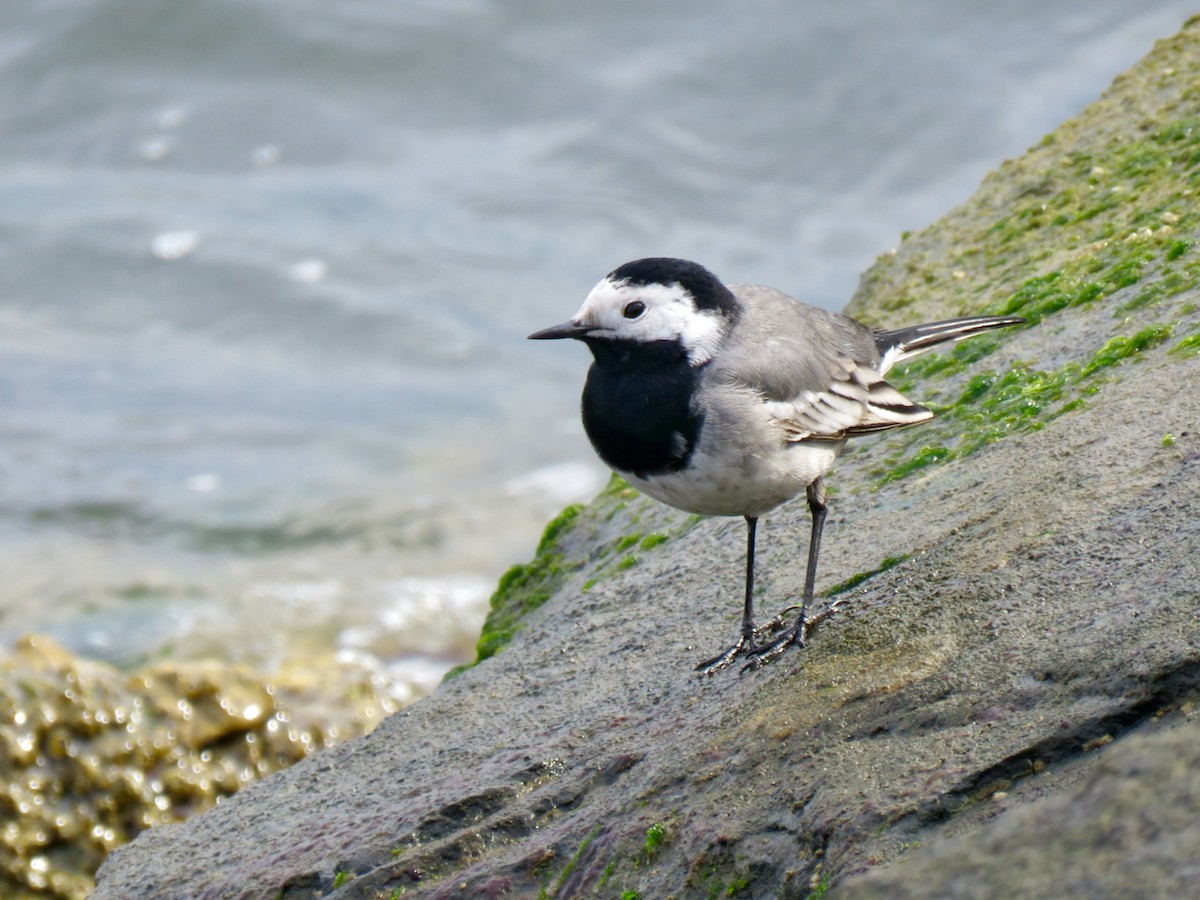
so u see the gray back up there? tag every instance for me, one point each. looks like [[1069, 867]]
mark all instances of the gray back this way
[[784, 347]]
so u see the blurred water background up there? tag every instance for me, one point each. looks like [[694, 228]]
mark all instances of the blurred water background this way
[[266, 269]]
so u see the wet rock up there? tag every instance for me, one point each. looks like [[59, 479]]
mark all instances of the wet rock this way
[[1010, 602]]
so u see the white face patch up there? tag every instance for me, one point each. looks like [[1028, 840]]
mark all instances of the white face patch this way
[[670, 314]]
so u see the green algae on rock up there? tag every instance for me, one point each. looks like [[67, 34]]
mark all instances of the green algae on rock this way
[[526, 586], [1104, 211], [522, 589], [92, 756], [993, 405]]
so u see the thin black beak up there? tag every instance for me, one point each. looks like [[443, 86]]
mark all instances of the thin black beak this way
[[556, 332]]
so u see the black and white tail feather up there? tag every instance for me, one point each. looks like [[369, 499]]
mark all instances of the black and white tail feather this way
[[898, 344]]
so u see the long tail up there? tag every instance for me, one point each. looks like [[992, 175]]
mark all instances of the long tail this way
[[900, 344]]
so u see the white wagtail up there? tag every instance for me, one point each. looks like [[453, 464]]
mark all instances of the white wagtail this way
[[729, 400]]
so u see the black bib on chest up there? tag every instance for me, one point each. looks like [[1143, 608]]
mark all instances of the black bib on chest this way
[[637, 406]]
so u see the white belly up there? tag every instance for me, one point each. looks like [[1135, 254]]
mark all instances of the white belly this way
[[740, 483]]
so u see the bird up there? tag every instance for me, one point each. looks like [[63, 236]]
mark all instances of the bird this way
[[730, 400]]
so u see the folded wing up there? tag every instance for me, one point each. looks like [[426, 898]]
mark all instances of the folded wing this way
[[856, 401]]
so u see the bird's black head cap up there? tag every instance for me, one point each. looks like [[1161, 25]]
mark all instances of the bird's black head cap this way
[[706, 289]]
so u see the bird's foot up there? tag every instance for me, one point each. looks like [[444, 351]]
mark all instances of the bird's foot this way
[[747, 645], [767, 653]]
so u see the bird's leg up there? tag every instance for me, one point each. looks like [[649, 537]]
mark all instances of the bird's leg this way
[[817, 506], [795, 635], [745, 643]]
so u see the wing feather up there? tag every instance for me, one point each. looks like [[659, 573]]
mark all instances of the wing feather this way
[[857, 401]]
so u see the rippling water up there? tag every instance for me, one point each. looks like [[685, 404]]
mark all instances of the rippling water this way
[[266, 268]]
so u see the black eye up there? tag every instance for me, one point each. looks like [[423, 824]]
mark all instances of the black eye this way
[[634, 309]]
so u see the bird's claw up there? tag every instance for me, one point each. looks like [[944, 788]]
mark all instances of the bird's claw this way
[[724, 658], [759, 654], [776, 624]]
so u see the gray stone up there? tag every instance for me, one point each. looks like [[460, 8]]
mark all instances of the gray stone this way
[[1131, 829]]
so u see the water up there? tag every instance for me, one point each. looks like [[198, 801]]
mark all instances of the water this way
[[266, 267]]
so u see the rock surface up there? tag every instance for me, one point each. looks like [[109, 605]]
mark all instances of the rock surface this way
[[1130, 829], [1011, 670]]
